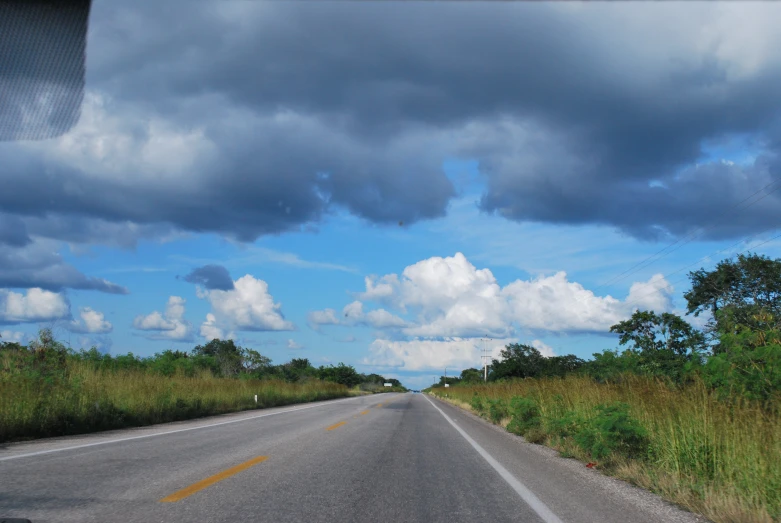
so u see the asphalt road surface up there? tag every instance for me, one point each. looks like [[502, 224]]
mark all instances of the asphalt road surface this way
[[387, 457]]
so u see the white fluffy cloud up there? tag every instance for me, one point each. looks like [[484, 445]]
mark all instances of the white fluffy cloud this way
[[100, 342], [452, 304], [323, 317], [382, 319], [247, 307], [92, 322], [170, 325], [436, 355], [545, 349], [555, 304], [35, 305], [11, 336], [418, 355], [293, 345], [353, 314], [452, 298], [211, 331]]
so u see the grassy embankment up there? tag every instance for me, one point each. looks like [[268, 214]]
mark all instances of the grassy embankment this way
[[84, 399], [721, 459]]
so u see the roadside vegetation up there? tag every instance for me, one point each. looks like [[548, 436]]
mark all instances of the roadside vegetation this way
[[694, 415], [47, 389]]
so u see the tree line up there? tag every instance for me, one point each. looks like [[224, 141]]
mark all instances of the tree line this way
[[737, 352], [45, 356]]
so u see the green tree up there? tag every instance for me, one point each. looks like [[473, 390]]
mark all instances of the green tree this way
[[297, 369], [750, 362], [344, 374], [746, 286], [561, 365], [450, 380], [665, 342], [471, 375], [48, 353], [227, 354], [254, 362], [525, 361], [374, 378], [517, 361]]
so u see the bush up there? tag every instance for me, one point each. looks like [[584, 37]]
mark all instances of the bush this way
[[525, 416], [565, 426], [749, 361], [497, 410], [478, 405], [612, 431]]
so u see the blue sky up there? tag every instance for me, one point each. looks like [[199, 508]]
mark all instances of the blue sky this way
[[482, 189]]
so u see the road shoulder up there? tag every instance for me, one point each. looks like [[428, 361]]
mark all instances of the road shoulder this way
[[565, 484]]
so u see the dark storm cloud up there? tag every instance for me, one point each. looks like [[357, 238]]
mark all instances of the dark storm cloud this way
[[13, 231], [211, 277], [84, 230], [29, 248], [39, 265], [298, 108]]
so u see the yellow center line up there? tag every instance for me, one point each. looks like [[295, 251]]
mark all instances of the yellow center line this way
[[336, 425], [364, 412], [378, 405], [211, 480]]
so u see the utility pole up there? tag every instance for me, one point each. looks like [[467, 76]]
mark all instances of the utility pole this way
[[485, 359]]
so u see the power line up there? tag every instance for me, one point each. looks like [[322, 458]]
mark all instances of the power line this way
[[669, 285], [742, 240], [689, 237]]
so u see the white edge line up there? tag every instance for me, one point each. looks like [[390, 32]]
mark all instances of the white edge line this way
[[118, 440], [527, 495]]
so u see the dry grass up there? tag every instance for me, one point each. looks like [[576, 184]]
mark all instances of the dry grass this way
[[717, 459], [85, 400]]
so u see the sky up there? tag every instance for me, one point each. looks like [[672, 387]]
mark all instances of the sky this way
[[389, 184]]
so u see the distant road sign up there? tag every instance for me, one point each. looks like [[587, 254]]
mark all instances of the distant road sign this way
[[389, 384], [447, 384]]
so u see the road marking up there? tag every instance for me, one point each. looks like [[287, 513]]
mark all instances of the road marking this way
[[527, 495], [364, 412], [378, 405], [336, 425], [118, 440], [211, 480]]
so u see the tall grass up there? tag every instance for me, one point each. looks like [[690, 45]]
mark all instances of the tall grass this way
[[719, 459], [82, 398]]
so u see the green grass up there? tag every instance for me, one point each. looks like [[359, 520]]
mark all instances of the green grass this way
[[719, 459], [81, 399]]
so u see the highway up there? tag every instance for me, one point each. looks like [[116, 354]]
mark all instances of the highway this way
[[386, 457]]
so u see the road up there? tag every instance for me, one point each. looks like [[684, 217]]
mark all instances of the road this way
[[387, 457]]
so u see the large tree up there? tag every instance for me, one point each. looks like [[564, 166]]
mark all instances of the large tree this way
[[471, 375], [736, 292], [518, 361], [665, 342], [524, 361], [228, 355]]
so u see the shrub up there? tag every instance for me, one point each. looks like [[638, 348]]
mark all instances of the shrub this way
[[478, 405], [612, 430], [497, 410], [564, 426], [525, 416]]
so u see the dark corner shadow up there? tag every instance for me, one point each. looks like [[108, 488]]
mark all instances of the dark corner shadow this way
[[42, 67]]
